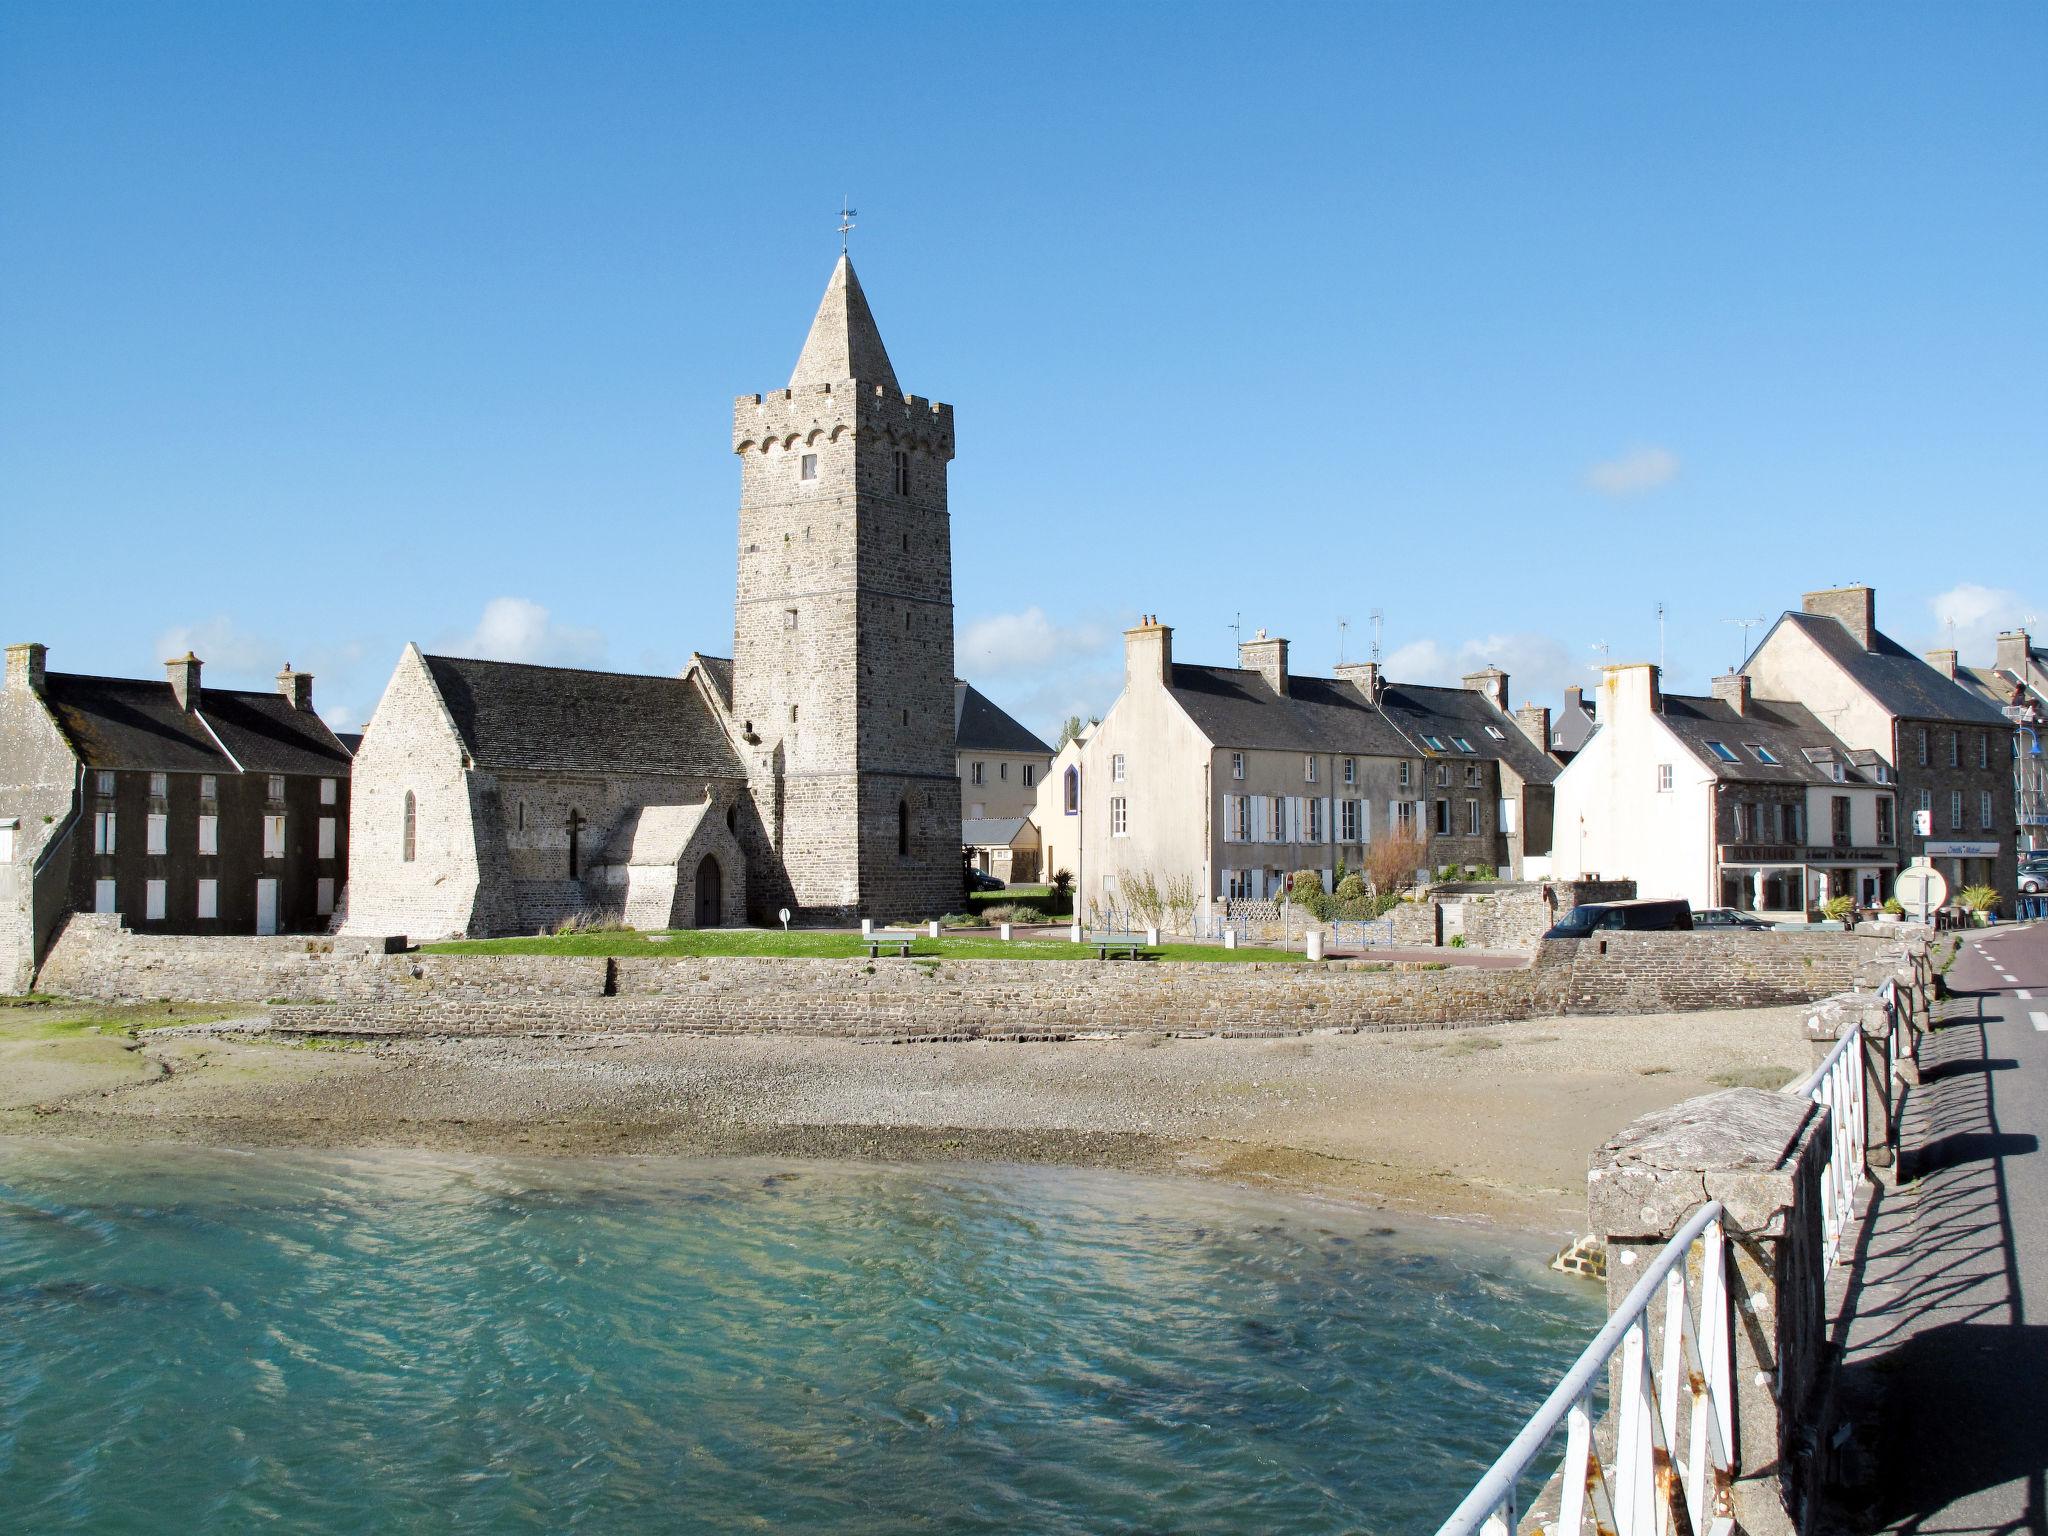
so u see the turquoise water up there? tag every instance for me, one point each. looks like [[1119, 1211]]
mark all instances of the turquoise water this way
[[200, 1341]]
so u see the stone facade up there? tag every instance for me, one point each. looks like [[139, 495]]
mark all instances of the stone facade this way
[[814, 770]]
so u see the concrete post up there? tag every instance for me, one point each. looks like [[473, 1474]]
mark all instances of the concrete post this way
[[1151, 938], [1761, 1155], [867, 927], [1003, 931], [1831, 1018], [1314, 949], [932, 928], [1230, 938]]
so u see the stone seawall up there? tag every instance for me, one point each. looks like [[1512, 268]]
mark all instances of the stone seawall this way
[[363, 985]]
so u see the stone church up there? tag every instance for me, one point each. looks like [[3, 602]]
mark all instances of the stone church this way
[[814, 769]]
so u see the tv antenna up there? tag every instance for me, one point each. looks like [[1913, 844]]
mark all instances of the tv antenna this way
[[1660, 637], [1236, 628], [847, 213], [1343, 630], [1746, 626], [1379, 624]]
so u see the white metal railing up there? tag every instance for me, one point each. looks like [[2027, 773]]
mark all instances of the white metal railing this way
[[1638, 1495], [1837, 1086]]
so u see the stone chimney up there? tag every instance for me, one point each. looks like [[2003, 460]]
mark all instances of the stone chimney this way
[[1492, 682], [2013, 648], [1856, 607], [296, 686], [1534, 719], [1266, 657], [1362, 675], [25, 672], [1148, 654], [1943, 662], [1632, 688], [1733, 690], [1575, 699], [183, 671]]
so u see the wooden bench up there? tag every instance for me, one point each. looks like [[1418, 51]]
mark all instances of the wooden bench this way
[[1129, 945], [900, 942]]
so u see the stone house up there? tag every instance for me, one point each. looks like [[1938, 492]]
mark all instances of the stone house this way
[[1951, 750], [814, 770], [1226, 780], [2016, 685], [1727, 801], [184, 809], [1006, 847], [1000, 762]]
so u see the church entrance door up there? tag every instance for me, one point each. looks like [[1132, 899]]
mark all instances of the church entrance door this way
[[710, 894]]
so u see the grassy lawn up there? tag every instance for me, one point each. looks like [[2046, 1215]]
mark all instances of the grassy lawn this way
[[34, 1017], [816, 946]]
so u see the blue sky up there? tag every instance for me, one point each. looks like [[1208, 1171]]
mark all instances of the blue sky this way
[[323, 328]]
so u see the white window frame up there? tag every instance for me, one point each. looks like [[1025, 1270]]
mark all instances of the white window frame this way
[[106, 831], [155, 896], [1472, 822], [1237, 765], [327, 836], [975, 772], [807, 469], [208, 899], [1471, 775], [1003, 772], [1119, 817], [273, 837], [1986, 812], [159, 785], [1309, 769], [1405, 775], [1663, 778], [1350, 770], [277, 786], [1030, 775], [1116, 768], [209, 787], [1347, 821], [156, 833], [103, 781], [106, 896], [328, 791], [209, 835], [1955, 810]]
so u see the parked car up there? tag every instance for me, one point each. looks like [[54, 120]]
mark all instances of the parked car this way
[[979, 881], [1728, 917], [2033, 874], [1639, 916]]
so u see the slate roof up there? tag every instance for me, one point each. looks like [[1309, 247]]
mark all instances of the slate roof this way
[[980, 726], [1572, 724], [1234, 707], [1901, 682], [718, 670], [1792, 733], [844, 342], [125, 722], [561, 719], [992, 831]]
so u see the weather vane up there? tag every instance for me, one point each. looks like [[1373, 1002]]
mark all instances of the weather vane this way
[[847, 213]]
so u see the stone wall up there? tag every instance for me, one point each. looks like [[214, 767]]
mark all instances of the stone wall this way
[[1499, 915], [1677, 972], [94, 956]]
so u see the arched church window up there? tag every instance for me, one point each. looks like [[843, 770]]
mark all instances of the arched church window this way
[[903, 828], [412, 819], [1073, 791]]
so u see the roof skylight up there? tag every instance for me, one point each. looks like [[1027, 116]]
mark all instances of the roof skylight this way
[[1721, 750]]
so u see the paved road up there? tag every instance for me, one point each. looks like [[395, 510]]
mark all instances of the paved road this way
[[1952, 1311]]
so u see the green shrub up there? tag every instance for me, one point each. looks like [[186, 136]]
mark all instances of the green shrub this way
[[1457, 941], [1305, 890], [1839, 908], [962, 920], [1012, 912], [1979, 898], [1893, 906], [1352, 889]]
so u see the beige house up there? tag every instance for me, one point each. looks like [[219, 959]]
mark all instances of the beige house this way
[[1726, 801], [1000, 762], [1220, 782], [1006, 848]]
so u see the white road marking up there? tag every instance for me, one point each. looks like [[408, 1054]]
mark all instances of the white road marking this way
[[2024, 995], [2040, 1020]]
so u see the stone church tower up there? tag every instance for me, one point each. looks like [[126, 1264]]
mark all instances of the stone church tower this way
[[843, 629]]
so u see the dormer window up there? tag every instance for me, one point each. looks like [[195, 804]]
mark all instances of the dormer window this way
[[1721, 750], [808, 467]]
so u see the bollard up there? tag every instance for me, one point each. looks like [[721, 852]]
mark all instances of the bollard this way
[[1230, 938], [1004, 930], [932, 927], [1315, 944], [1074, 934], [867, 927], [1151, 938]]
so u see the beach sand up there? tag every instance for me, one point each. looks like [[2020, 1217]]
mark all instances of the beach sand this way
[[1492, 1124]]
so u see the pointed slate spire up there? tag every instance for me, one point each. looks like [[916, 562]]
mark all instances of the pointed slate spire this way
[[844, 343]]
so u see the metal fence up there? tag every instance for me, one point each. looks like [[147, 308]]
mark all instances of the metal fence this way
[[1840, 1085], [1362, 933], [1636, 1495]]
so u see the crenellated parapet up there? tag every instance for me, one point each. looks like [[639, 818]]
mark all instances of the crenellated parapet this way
[[785, 418]]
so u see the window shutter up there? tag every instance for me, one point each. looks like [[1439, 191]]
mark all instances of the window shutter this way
[[1329, 819]]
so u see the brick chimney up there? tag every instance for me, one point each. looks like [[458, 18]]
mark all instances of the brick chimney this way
[[1362, 675], [1856, 607], [1534, 719], [183, 672], [1733, 690], [1633, 688], [1943, 662], [296, 686], [1266, 657], [25, 672], [1148, 654], [2013, 646]]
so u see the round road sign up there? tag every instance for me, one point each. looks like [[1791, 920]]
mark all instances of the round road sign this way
[[1920, 889]]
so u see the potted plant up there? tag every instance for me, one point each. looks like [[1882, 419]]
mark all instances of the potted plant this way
[[1839, 909], [1981, 900], [1893, 912]]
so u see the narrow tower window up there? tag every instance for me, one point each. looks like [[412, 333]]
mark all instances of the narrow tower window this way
[[412, 817], [903, 828], [809, 467], [902, 474]]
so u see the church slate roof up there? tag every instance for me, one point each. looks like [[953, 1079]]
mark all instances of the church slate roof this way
[[1901, 682], [123, 722], [1804, 748], [561, 719], [979, 725], [718, 671], [844, 343], [1234, 707]]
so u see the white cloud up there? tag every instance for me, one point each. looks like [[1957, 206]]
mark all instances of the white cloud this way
[[222, 645], [1538, 667], [1634, 472], [1968, 618], [519, 629], [1026, 642]]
